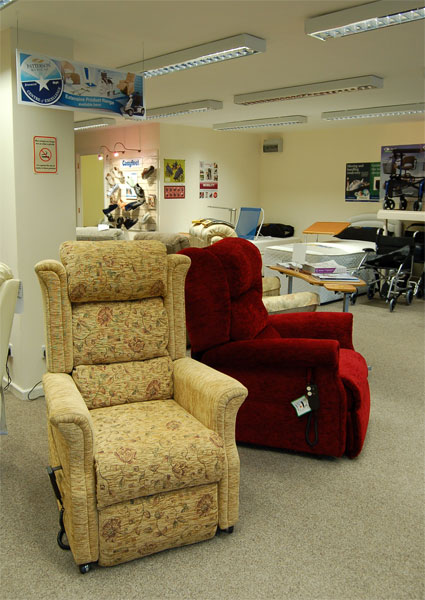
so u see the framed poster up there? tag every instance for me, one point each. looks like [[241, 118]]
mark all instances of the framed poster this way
[[174, 170], [402, 175], [208, 180], [362, 181]]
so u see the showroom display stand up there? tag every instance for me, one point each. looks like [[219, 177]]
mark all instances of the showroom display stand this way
[[132, 169]]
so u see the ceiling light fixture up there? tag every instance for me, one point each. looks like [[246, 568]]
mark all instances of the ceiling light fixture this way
[[124, 150], [255, 123], [366, 17], [197, 56], [92, 123], [324, 88], [185, 108], [377, 111]]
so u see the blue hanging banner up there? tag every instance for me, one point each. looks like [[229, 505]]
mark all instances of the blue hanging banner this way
[[71, 85]]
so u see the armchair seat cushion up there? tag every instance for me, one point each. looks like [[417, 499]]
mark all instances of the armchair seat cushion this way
[[151, 447]]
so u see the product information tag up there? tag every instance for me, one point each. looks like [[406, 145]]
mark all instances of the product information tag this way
[[301, 406]]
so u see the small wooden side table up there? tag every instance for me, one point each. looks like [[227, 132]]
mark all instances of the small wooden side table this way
[[346, 288], [326, 228]]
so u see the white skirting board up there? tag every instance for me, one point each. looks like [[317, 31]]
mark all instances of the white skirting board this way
[[22, 394]]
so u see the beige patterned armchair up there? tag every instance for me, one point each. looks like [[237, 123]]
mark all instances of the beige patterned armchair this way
[[141, 438]]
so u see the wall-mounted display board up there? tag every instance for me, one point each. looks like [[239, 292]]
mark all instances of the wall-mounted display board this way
[[362, 182], [131, 192], [403, 176]]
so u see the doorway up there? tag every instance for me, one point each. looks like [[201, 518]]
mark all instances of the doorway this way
[[92, 190]]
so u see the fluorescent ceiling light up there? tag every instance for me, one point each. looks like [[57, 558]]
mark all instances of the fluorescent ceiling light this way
[[5, 3], [92, 123], [197, 56], [366, 17], [378, 111], [310, 90], [255, 123], [185, 108]]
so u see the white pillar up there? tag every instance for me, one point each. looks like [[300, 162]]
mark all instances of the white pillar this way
[[37, 210]]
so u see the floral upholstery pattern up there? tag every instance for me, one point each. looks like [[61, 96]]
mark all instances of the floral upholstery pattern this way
[[144, 435], [151, 447], [114, 270], [119, 383], [108, 332], [154, 523]]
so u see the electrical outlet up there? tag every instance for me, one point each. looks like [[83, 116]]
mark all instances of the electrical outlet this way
[[43, 351], [10, 351]]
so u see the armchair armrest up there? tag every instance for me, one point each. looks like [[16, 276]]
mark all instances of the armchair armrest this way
[[214, 399], [275, 352], [291, 302], [316, 325], [71, 440], [211, 397]]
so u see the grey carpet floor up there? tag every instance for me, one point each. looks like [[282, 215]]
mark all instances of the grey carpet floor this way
[[309, 529]]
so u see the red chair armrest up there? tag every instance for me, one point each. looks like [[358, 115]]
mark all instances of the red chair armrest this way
[[316, 325], [283, 353]]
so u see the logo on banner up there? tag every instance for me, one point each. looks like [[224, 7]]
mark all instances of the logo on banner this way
[[41, 80]]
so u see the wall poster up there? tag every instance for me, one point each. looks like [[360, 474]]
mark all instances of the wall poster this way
[[403, 176], [71, 85], [208, 180], [362, 182], [174, 170]]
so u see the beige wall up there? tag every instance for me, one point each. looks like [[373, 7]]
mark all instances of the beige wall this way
[[237, 157], [305, 183]]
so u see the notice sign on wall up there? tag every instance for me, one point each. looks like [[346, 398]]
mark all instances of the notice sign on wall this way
[[45, 154]]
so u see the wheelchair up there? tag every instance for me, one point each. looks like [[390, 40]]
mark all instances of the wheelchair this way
[[391, 265]]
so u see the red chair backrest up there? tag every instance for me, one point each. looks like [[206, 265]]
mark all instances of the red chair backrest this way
[[224, 293]]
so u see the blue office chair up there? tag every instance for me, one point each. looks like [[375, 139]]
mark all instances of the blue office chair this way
[[248, 220]]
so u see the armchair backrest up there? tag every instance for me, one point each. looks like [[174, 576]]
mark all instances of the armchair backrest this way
[[224, 293], [114, 317], [8, 295]]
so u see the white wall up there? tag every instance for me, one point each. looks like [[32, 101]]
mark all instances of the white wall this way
[[237, 156], [306, 182], [40, 208]]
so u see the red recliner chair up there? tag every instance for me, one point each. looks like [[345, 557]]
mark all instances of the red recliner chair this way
[[290, 363]]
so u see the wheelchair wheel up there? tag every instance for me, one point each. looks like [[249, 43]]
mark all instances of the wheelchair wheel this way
[[403, 203], [389, 203], [409, 296], [392, 304]]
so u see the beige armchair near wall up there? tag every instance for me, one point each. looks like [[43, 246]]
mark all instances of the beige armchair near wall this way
[[8, 294], [141, 437]]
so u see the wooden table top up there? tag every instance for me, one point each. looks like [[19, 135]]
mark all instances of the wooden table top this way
[[333, 286], [327, 227]]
